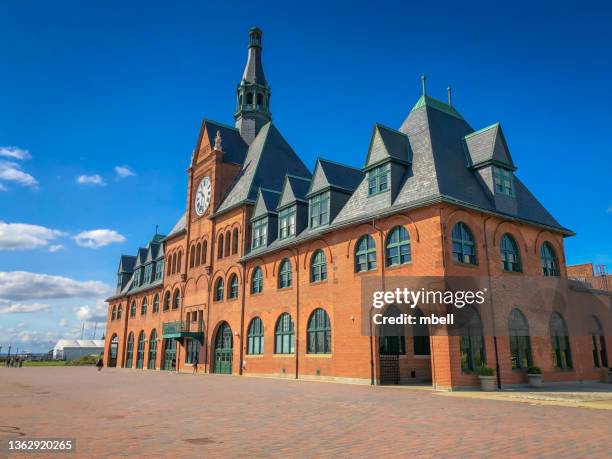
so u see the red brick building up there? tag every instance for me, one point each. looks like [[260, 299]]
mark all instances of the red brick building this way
[[262, 275]]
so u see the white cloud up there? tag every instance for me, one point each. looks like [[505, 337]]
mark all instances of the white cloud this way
[[15, 153], [24, 308], [20, 236], [11, 172], [123, 171], [98, 238], [96, 313], [23, 285], [62, 323], [90, 180], [56, 248]]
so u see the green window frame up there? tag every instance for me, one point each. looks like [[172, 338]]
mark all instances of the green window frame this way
[[520, 342], [233, 290], [318, 267], [260, 233], [176, 303], [319, 333], [378, 180], [152, 350], [257, 281], [285, 274], [286, 222], [192, 351], [365, 254], [148, 272], [398, 247], [548, 259], [600, 353], [156, 303], [159, 270], [472, 345], [129, 355], [319, 210], [464, 246], [219, 289], [510, 255], [503, 180], [167, 297], [133, 309], [255, 337], [284, 335], [141, 350], [143, 307], [561, 351]]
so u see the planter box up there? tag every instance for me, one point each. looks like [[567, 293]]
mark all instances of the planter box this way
[[488, 383], [535, 380]]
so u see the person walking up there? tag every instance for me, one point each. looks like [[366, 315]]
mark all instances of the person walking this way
[[100, 364], [174, 365], [20, 363], [195, 367]]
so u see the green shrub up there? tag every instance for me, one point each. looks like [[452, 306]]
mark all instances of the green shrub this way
[[534, 370], [84, 360], [486, 371]]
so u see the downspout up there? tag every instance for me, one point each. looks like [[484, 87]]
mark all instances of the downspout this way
[[297, 313], [127, 311], [443, 241], [497, 367], [210, 346], [382, 281], [242, 306]]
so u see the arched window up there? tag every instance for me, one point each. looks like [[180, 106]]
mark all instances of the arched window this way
[[255, 338], [143, 307], [249, 98], [129, 355], [420, 335], [114, 313], [391, 339], [259, 99], [219, 287], [177, 299], [550, 266], [156, 303], [319, 333], [520, 343], [284, 274], [257, 281], [152, 350], [174, 257], [510, 257], [284, 335], [178, 263], [220, 247], [600, 354], [167, 301], [141, 350], [398, 247], [365, 255], [198, 254], [464, 248], [192, 256], [235, 241], [562, 355], [119, 309], [228, 242], [133, 309], [318, 267], [204, 252], [471, 340], [233, 291]]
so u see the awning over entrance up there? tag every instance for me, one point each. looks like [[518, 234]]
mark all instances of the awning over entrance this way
[[180, 329]]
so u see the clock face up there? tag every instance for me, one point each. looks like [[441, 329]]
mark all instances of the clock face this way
[[202, 197]]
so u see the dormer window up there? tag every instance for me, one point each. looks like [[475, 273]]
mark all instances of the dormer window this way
[[286, 223], [378, 180], [319, 210], [260, 233], [503, 181], [159, 270]]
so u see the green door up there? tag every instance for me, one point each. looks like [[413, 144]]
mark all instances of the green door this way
[[223, 350], [169, 353]]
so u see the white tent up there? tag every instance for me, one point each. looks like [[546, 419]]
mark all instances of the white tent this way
[[71, 349]]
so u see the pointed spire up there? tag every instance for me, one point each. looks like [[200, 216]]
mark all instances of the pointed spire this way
[[424, 83], [253, 72], [449, 90]]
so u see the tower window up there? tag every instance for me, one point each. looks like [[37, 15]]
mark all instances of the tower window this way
[[259, 100], [249, 98]]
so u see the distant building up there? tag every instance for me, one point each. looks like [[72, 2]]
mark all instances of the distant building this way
[[71, 349], [592, 276]]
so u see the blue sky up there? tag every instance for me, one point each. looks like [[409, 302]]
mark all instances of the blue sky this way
[[87, 87]]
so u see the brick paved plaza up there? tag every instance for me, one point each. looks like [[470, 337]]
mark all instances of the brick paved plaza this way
[[157, 414]]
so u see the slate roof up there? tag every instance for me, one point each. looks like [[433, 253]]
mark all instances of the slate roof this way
[[126, 263], [268, 160], [266, 203], [178, 227], [486, 146], [387, 143], [294, 189], [330, 174], [233, 145]]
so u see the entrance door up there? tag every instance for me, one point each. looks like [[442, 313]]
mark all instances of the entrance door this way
[[112, 352], [169, 353], [223, 350]]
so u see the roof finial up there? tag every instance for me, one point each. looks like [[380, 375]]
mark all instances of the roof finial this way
[[423, 80], [450, 93], [218, 141]]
